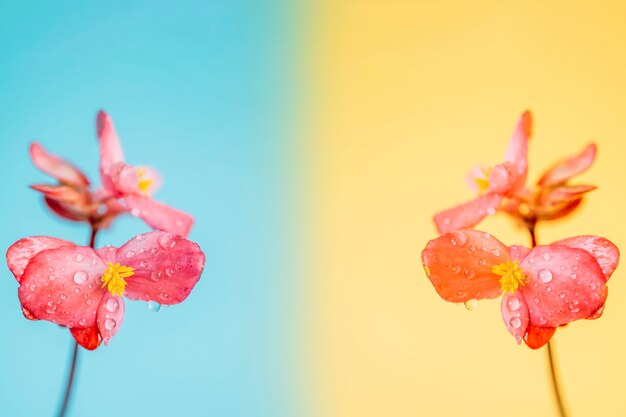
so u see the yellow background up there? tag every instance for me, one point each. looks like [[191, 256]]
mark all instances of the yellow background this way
[[408, 96]]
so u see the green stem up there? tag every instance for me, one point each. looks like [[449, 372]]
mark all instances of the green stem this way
[[74, 363], [556, 386]]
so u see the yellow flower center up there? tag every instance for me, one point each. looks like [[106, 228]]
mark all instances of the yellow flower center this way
[[144, 183], [512, 276], [483, 182], [113, 278]]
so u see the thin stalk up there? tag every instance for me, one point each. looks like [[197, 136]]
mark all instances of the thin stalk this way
[[74, 363], [556, 386]]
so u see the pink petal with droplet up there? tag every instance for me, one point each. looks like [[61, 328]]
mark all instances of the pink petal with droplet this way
[[49, 285], [468, 214], [515, 315], [110, 149], [124, 178], [21, 252], [158, 215], [57, 167], [518, 253], [167, 266], [459, 264], [110, 316], [517, 152], [568, 168], [602, 249], [562, 285], [537, 337]]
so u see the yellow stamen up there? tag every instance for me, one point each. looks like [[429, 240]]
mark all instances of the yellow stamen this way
[[512, 276], [144, 183], [113, 278], [483, 182]]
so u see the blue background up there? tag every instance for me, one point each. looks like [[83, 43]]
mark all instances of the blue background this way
[[201, 91]]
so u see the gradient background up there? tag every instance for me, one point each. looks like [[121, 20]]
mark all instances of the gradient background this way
[[313, 143], [200, 90], [408, 96]]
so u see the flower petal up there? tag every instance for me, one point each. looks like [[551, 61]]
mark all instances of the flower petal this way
[[167, 267], [518, 252], [63, 193], [110, 148], [67, 211], [566, 169], [562, 284], [515, 315], [468, 214], [537, 337], [517, 152], [63, 286], [158, 215], [88, 337], [57, 167], [21, 252], [602, 249], [459, 264], [110, 316]]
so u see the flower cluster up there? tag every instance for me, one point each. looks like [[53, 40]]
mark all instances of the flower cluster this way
[[543, 287], [80, 287]]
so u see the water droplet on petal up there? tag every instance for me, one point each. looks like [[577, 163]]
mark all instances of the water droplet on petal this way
[[79, 258], [515, 322], [593, 285], [76, 290], [471, 304], [33, 287], [130, 254], [545, 275], [52, 277], [164, 296], [548, 289], [154, 306], [546, 257], [573, 276], [135, 212], [144, 264], [513, 303], [50, 269], [156, 275], [112, 305], [109, 324], [80, 277], [562, 295], [169, 271]]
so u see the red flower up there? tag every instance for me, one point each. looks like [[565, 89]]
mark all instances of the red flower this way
[[544, 287], [81, 288], [502, 187]]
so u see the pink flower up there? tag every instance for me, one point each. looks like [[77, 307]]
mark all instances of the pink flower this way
[[134, 185], [81, 288], [72, 197], [543, 288], [502, 187], [125, 188]]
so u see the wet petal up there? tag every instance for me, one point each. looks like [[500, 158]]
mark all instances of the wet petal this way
[[562, 284], [110, 148], [167, 267], [518, 252], [566, 169], [515, 315], [21, 252], [467, 214], [502, 179], [57, 167], [63, 286], [459, 264], [517, 152], [158, 215], [88, 337], [565, 193], [537, 337], [110, 316], [602, 249]]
